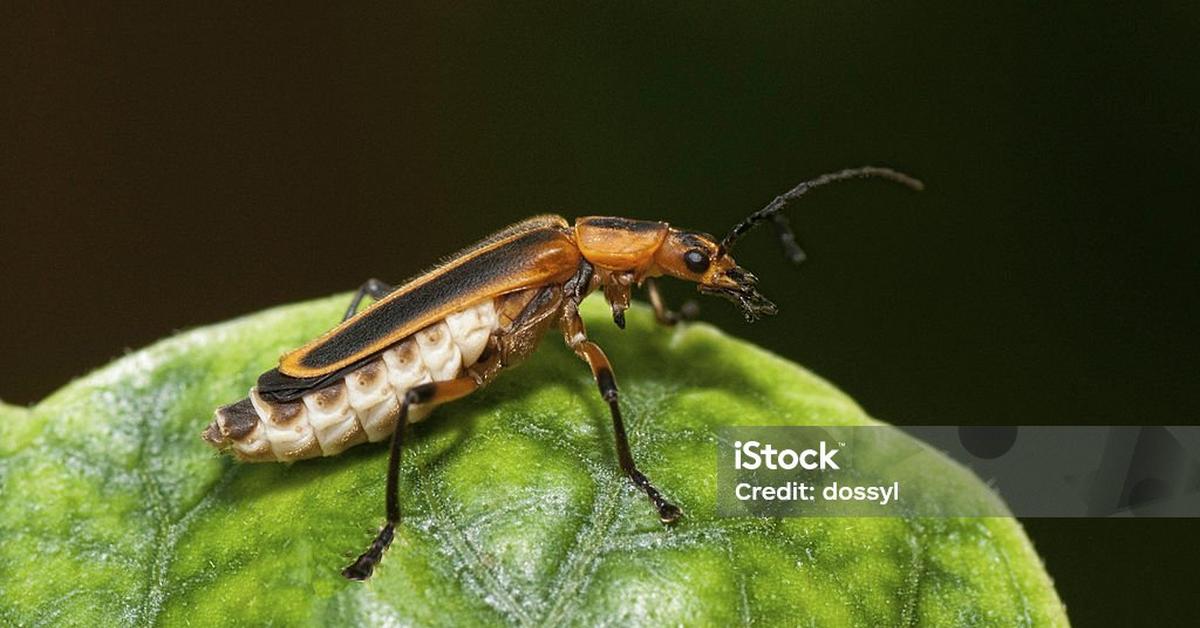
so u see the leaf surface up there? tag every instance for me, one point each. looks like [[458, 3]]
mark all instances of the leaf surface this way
[[114, 512]]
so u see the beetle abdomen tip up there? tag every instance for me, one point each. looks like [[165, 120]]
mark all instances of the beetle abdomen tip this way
[[236, 427], [213, 436]]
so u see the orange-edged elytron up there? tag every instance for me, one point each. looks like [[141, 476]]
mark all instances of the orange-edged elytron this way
[[450, 331]]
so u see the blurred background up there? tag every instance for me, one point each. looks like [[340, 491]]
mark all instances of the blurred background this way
[[164, 168]]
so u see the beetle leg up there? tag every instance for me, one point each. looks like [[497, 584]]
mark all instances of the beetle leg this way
[[616, 292], [377, 289], [573, 330], [433, 392], [689, 311]]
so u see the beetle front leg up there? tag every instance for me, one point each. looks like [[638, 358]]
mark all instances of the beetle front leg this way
[[616, 292], [377, 289], [607, 383], [688, 311], [433, 392]]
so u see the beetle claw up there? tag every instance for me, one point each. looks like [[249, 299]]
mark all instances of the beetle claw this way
[[618, 316], [669, 513]]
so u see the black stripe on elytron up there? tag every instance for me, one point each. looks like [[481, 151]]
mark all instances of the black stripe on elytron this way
[[529, 224], [279, 388], [624, 224], [470, 277]]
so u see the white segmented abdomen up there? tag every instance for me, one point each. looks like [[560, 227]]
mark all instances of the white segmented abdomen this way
[[333, 419], [471, 328], [362, 406], [373, 399], [287, 428], [438, 352], [406, 370]]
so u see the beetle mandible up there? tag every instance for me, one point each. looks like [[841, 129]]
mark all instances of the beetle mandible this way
[[451, 330]]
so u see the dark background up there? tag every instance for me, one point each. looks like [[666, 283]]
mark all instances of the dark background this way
[[167, 168]]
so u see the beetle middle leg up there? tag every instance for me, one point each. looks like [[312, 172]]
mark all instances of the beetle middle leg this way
[[664, 315], [591, 353], [377, 289], [433, 392]]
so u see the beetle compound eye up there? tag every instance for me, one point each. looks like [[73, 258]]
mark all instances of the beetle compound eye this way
[[696, 261]]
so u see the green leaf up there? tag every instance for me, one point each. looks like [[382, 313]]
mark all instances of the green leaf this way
[[114, 512]]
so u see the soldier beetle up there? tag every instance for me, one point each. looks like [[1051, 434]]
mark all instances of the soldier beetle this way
[[451, 330]]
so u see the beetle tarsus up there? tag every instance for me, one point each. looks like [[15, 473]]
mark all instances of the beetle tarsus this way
[[667, 512], [364, 565], [619, 316], [689, 311]]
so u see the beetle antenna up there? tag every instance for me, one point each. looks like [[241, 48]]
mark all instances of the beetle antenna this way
[[787, 238]]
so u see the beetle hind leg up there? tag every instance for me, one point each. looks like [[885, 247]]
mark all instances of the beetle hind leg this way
[[431, 393]]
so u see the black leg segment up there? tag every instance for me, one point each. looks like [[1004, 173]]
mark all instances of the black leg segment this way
[[667, 512], [435, 392], [373, 287], [607, 383], [362, 568]]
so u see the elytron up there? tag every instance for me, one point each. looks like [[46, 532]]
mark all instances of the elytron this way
[[453, 329]]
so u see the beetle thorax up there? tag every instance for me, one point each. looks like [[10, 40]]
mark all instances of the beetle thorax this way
[[619, 245]]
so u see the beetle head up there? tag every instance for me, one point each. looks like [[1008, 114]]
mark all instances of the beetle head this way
[[699, 258]]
